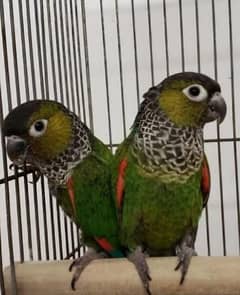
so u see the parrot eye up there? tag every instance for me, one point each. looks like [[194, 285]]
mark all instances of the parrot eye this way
[[38, 128], [195, 92]]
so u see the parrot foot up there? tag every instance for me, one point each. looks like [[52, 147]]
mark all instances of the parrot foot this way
[[185, 252], [138, 259], [80, 264]]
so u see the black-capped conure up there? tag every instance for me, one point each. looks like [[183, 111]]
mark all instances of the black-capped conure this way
[[48, 136], [160, 171]]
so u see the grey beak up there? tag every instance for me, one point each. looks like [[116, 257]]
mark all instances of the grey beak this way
[[16, 147], [216, 108]]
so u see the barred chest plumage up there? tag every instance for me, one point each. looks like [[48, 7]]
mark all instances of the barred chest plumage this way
[[58, 169], [163, 149]]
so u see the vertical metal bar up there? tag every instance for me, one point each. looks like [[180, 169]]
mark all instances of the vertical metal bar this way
[[24, 50], [35, 196], [135, 50], [59, 231], [45, 62], [120, 69], [58, 51], [51, 49], [50, 196], [40, 59], [198, 36], [17, 190], [64, 52], [31, 49], [150, 40], [45, 218], [74, 45], [218, 131], [88, 76], [199, 70], [19, 216], [181, 35], [234, 118], [72, 239], [80, 60], [5, 56], [78, 241], [43, 200], [7, 192], [70, 67], [66, 234], [106, 74], [207, 230], [166, 36], [14, 48], [27, 203], [2, 285]]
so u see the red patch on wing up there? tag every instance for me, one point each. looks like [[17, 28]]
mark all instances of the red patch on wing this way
[[104, 244], [71, 193], [205, 182], [120, 182]]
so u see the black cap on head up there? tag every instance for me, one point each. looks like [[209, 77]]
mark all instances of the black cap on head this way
[[211, 85], [16, 121]]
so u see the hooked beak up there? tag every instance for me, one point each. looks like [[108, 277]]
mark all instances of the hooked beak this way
[[16, 149], [216, 108]]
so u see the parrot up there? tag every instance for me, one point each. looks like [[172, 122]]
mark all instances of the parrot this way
[[46, 135], [161, 176]]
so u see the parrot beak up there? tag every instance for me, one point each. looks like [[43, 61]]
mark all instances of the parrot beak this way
[[216, 108], [16, 149]]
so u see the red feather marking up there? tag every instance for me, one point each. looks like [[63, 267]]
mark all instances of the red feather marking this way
[[205, 183], [120, 181], [104, 244], [71, 193]]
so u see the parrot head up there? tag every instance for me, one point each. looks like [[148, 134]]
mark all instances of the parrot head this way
[[44, 134], [189, 99]]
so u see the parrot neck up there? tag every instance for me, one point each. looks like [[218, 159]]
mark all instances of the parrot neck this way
[[58, 169], [164, 149]]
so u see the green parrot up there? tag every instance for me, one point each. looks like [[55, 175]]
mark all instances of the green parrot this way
[[160, 173], [47, 136]]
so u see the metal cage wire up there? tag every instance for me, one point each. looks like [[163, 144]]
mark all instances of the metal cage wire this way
[[98, 57]]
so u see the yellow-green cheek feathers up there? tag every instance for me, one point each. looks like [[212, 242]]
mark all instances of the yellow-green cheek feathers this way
[[57, 136], [180, 109]]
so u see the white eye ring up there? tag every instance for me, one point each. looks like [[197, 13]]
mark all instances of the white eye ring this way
[[38, 128], [195, 92]]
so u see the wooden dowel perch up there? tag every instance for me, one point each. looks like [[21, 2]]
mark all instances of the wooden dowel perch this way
[[207, 276]]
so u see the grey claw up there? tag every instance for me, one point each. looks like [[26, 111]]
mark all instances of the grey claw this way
[[185, 256], [138, 259], [81, 263], [73, 282], [178, 265], [71, 266]]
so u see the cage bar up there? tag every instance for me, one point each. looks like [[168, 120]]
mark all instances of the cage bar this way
[[52, 49]]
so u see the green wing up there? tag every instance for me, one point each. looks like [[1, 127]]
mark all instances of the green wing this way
[[92, 207]]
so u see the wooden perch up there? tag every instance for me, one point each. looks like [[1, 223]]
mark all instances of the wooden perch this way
[[207, 276]]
